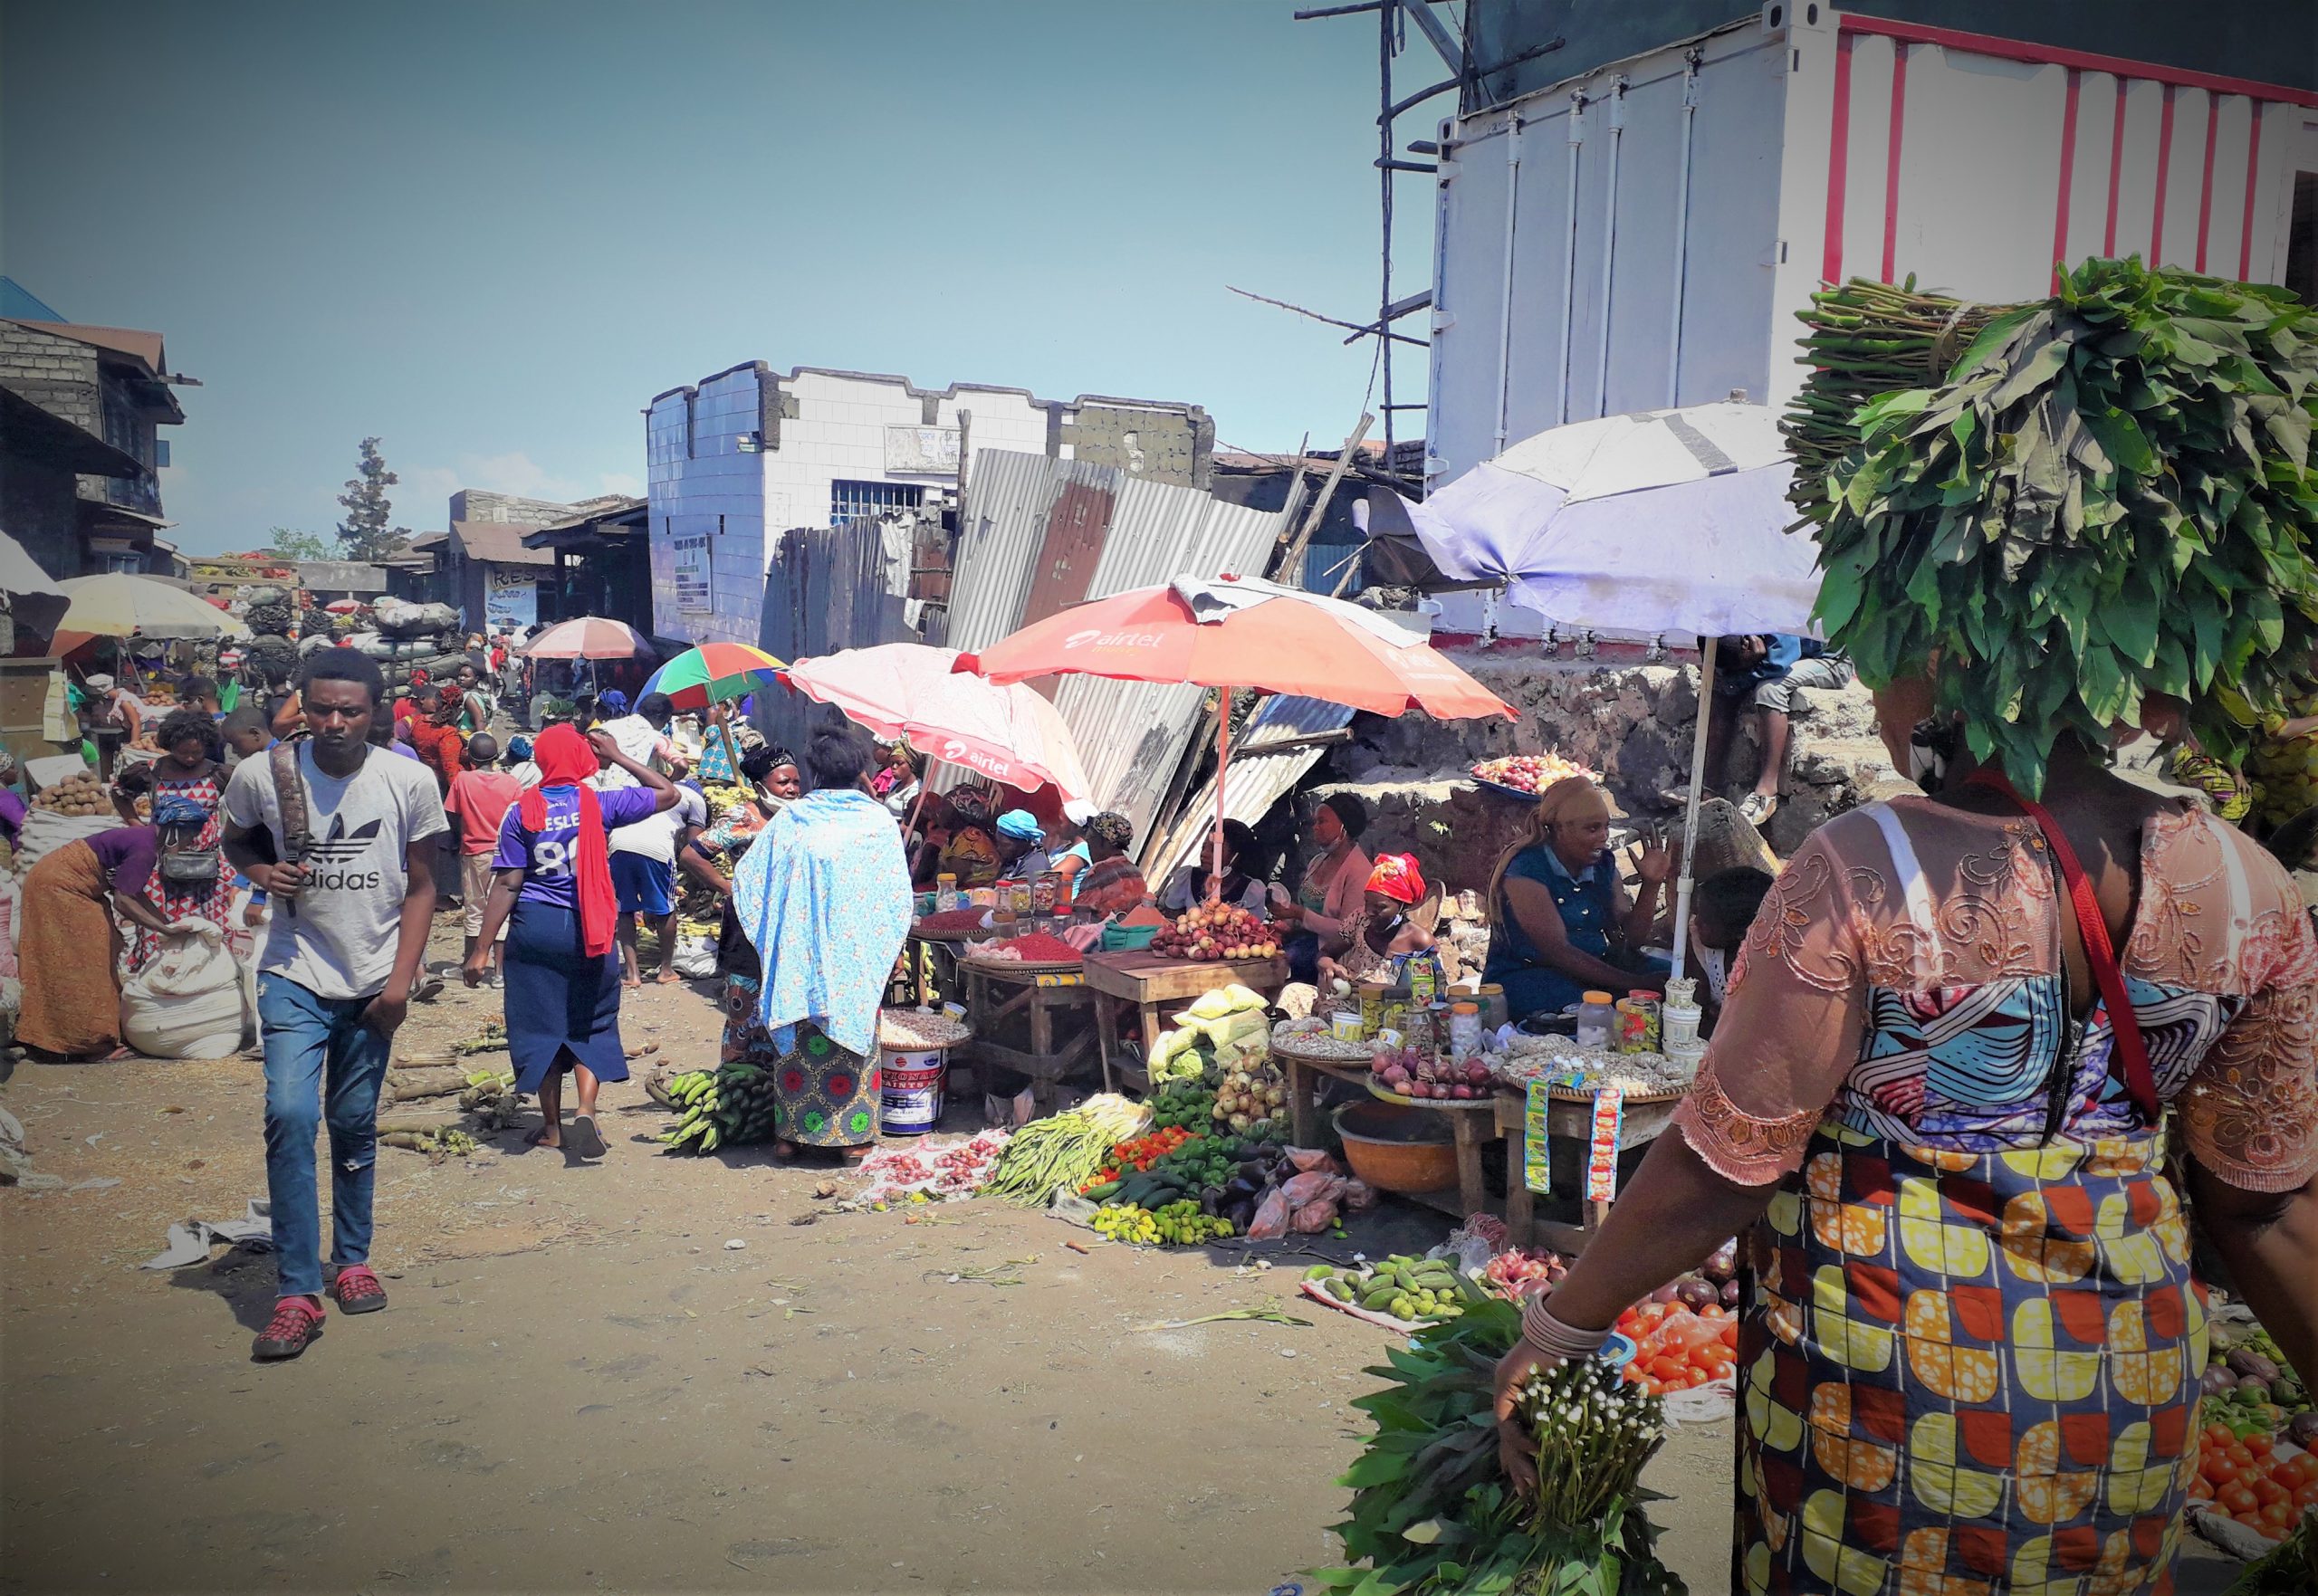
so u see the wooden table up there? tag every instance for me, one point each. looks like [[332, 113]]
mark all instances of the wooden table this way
[[1006, 1007], [1570, 1117], [1155, 986], [1469, 1126]]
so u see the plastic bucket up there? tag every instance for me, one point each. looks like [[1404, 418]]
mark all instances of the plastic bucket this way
[[909, 1089]]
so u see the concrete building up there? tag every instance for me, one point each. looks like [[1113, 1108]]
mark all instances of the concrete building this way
[[80, 410], [748, 454], [486, 569]]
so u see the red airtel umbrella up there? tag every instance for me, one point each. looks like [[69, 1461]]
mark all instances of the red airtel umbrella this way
[[1233, 631]]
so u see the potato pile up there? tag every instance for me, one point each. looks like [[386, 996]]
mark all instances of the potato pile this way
[[80, 795]]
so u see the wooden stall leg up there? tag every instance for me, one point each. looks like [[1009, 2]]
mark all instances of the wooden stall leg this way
[[1301, 1080], [1521, 1203], [1106, 1035], [1471, 1192]]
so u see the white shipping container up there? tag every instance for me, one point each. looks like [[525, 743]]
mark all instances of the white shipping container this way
[[1644, 236]]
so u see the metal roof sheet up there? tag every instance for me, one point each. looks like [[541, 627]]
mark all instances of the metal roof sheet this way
[[1037, 535], [1269, 757]]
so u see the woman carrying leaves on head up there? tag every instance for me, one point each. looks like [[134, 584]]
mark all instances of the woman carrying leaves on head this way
[[1936, 1102]]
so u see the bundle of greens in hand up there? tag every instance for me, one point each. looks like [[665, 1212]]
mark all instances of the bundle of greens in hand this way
[[1432, 1512]]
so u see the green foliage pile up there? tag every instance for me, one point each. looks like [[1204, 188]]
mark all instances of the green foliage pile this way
[[2109, 498]]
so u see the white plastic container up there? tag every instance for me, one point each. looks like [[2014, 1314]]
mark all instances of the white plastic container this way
[[1595, 1017]]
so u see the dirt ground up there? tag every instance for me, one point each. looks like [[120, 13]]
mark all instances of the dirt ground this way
[[653, 1373]]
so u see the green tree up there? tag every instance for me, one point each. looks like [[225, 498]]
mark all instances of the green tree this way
[[365, 534], [291, 544]]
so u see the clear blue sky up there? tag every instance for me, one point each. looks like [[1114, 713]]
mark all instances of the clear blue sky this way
[[489, 232]]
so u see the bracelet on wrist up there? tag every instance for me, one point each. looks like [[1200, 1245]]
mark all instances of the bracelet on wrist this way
[[1548, 1334]]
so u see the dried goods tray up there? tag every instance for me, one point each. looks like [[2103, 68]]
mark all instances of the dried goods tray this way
[[1325, 1060], [973, 933], [1523, 793], [1025, 966]]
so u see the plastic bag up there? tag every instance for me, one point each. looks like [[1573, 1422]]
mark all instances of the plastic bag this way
[[1359, 1196], [1315, 1217], [1316, 1187], [1272, 1215], [695, 956], [1309, 1159]]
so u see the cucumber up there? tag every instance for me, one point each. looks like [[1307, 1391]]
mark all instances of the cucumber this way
[[1108, 1189], [1338, 1287], [1381, 1296]]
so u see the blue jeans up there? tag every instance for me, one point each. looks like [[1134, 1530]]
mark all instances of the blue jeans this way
[[321, 1063]]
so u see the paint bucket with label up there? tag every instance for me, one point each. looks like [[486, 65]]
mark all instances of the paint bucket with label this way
[[909, 1089]]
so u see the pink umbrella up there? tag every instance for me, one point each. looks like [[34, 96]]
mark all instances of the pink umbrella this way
[[587, 636], [907, 690]]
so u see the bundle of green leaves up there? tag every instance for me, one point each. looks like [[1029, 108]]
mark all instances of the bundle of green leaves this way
[[2109, 499], [1432, 1513]]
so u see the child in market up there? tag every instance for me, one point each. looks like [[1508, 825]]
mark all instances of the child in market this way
[[1725, 906], [480, 797]]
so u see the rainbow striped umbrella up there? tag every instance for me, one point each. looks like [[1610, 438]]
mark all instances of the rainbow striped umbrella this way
[[713, 673]]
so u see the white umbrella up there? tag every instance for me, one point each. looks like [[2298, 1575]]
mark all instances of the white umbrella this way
[[1667, 521], [124, 604], [1664, 520]]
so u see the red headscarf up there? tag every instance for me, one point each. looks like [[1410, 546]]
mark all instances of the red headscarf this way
[[1397, 877], [566, 759]]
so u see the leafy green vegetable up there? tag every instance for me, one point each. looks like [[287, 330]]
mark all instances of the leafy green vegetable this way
[[1431, 1511], [2109, 498]]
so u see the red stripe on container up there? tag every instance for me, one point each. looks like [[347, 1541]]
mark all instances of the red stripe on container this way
[[2164, 161], [1831, 255], [2068, 178], [2205, 191], [2083, 59], [1891, 159], [2253, 173], [2116, 171]]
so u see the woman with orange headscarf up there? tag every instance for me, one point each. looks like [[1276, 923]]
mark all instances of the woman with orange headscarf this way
[[1380, 938], [552, 875]]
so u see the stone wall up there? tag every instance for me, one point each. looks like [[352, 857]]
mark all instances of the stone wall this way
[[58, 374], [1630, 720]]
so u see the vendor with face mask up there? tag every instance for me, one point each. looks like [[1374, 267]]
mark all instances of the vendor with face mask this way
[[1564, 923]]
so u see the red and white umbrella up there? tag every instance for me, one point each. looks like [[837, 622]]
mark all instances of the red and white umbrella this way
[[1013, 735], [589, 637]]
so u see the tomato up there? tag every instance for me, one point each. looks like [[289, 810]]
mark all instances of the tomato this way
[[2258, 1444], [1712, 1311], [2217, 1469], [2277, 1518], [1731, 1336], [2305, 1494], [2303, 1467], [2268, 1492], [2252, 1521], [2200, 1491], [2237, 1453], [2237, 1497], [2218, 1434]]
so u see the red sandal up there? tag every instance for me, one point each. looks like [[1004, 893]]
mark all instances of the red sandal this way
[[358, 1290], [297, 1321]]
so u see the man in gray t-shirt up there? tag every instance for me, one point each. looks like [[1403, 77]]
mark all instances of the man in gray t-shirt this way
[[350, 919]]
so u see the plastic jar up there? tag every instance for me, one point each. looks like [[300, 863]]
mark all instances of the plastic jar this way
[[1372, 1006], [1464, 1030], [1595, 1017], [946, 893], [1495, 1015]]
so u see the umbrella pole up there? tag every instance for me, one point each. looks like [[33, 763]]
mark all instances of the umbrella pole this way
[[1684, 882], [1222, 769]]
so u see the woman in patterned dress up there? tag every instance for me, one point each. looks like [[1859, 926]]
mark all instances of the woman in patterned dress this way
[[705, 900], [192, 768], [1970, 1356], [823, 898]]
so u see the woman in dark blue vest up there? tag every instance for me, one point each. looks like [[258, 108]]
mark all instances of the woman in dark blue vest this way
[[1564, 923]]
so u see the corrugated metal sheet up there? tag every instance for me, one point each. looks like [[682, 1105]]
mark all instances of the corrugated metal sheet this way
[[1257, 779], [1037, 535], [1002, 524], [826, 588], [1131, 734]]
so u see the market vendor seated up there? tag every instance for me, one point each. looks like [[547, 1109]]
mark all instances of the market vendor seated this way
[[1021, 846], [1189, 886], [1563, 923], [1381, 938], [972, 853]]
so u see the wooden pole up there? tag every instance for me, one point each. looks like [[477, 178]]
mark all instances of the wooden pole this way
[[1319, 509], [1223, 770]]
